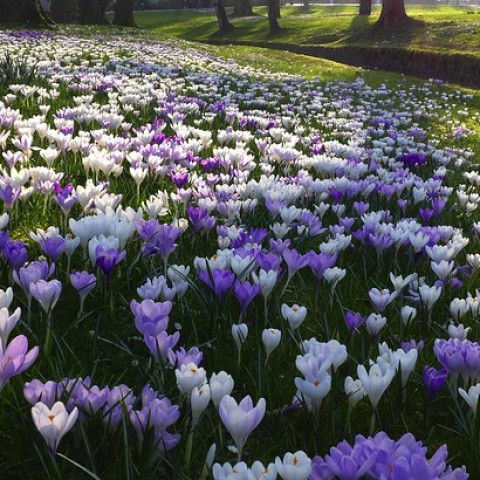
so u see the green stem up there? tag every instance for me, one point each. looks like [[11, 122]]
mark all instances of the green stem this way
[[48, 339], [373, 419], [188, 450]]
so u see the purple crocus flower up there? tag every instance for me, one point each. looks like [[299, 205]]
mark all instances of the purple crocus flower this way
[[119, 398], [156, 416], [162, 241], [182, 357], [31, 273], [83, 283], [268, 261], [151, 317], [413, 159], [15, 253], [179, 179], [37, 391], [434, 380], [91, 400], [16, 359], [240, 419], [46, 293], [65, 197], [160, 344], [53, 247], [220, 281], [245, 293], [108, 259], [380, 457], [200, 218], [147, 229], [319, 262], [9, 195], [354, 320], [294, 260], [412, 344], [345, 462], [458, 357]]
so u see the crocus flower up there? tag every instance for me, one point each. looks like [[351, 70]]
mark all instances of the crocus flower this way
[[15, 253], [36, 391], [228, 471], [15, 359], [108, 259], [46, 293], [375, 382], [374, 323], [239, 334], [407, 314], [354, 320], [240, 419], [295, 315], [160, 344], [189, 376], [294, 466], [53, 247], [7, 323], [381, 298], [354, 390], [245, 293], [199, 401], [83, 283], [182, 357], [221, 384], [53, 423], [220, 281], [429, 295], [151, 317], [471, 397], [271, 339]]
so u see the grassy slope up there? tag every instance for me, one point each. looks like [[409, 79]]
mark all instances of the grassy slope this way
[[445, 28]]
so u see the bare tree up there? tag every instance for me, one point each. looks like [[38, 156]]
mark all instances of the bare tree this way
[[124, 13], [92, 12], [30, 11], [223, 24], [393, 13], [365, 7], [242, 8], [273, 13], [64, 11]]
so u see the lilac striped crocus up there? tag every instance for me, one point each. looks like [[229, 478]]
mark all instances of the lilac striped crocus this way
[[16, 358]]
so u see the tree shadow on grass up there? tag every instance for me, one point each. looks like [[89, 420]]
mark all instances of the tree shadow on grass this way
[[400, 35]]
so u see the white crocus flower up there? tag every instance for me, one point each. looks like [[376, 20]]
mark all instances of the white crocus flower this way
[[294, 466], [375, 382], [471, 397], [295, 315], [221, 384], [354, 390], [53, 423], [429, 295]]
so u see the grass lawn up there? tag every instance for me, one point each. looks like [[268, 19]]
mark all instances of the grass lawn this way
[[445, 28]]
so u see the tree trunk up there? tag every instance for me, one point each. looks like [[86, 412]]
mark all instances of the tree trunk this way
[[273, 9], [124, 13], [223, 24], [64, 11], [242, 8], [365, 7], [92, 12], [306, 5], [29, 11], [393, 13]]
